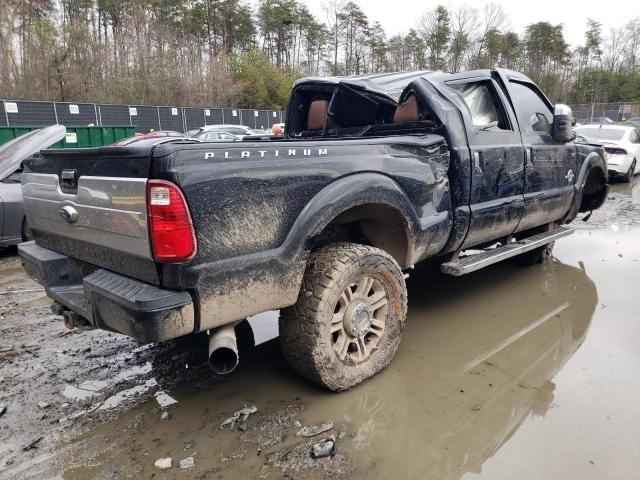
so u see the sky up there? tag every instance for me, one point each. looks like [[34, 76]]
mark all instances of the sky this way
[[398, 16]]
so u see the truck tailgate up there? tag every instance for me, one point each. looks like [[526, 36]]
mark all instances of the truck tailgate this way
[[107, 211], [91, 205]]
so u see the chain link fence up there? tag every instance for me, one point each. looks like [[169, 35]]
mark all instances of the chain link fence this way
[[15, 113], [606, 112]]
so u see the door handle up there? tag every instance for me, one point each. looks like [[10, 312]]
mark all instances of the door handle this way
[[476, 160], [528, 155]]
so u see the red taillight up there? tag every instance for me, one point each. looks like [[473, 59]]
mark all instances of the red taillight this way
[[170, 227], [615, 150]]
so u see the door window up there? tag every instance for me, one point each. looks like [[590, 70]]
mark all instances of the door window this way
[[534, 114], [483, 102]]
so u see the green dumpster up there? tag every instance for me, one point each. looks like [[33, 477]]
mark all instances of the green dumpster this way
[[77, 137]]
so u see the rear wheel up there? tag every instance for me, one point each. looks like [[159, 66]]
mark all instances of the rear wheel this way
[[536, 256], [628, 178], [27, 235], [347, 323]]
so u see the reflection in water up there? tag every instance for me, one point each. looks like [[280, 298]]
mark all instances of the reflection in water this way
[[477, 359], [631, 189]]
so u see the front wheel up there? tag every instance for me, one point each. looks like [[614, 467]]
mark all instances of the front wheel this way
[[347, 323]]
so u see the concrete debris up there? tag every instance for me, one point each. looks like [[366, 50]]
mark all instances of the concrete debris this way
[[164, 399], [32, 444], [239, 419], [324, 448], [341, 435], [312, 431], [165, 415], [163, 463], [43, 404], [187, 463]]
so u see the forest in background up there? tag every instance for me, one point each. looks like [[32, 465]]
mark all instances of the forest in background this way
[[231, 52]]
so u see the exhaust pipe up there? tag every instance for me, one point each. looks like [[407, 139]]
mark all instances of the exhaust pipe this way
[[223, 350]]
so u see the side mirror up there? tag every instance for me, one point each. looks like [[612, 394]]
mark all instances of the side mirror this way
[[562, 123]]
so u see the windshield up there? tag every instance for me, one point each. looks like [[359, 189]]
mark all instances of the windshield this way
[[614, 134]]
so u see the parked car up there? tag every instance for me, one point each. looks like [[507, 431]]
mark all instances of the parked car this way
[[604, 120], [622, 144], [215, 136], [13, 223], [188, 238], [136, 137], [239, 131], [635, 121]]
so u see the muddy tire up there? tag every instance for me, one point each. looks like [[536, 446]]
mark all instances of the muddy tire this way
[[534, 257], [628, 178], [348, 321], [244, 337], [27, 235]]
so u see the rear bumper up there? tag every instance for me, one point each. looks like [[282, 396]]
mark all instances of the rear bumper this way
[[619, 164], [108, 300]]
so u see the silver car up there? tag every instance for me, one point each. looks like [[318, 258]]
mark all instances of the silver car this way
[[13, 224]]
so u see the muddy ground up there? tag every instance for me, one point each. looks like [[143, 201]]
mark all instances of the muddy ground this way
[[506, 373]]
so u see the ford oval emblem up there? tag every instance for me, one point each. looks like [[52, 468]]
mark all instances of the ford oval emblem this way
[[68, 214]]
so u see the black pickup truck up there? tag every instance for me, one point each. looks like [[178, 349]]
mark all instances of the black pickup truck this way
[[170, 237]]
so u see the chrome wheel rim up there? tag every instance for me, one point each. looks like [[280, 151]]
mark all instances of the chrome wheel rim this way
[[359, 320]]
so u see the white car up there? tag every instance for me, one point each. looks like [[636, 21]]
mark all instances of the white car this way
[[622, 144], [239, 131]]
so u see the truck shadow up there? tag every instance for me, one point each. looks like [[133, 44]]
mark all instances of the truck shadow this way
[[478, 357]]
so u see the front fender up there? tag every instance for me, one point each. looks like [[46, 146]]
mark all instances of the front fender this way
[[593, 160]]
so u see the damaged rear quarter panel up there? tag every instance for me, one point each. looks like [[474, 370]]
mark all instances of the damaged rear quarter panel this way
[[244, 201]]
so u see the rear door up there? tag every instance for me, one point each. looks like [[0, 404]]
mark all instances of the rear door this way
[[497, 179], [550, 166]]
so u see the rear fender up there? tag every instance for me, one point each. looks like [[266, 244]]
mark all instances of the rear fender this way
[[342, 195]]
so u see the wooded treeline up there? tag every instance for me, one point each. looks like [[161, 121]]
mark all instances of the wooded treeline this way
[[230, 52]]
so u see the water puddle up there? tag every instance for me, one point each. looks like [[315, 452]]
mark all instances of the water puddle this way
[[506, 373]]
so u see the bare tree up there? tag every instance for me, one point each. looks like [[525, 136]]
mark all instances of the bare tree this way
[[333, 10], [614, 47], [632, 47], [464, 27], [492, 21]]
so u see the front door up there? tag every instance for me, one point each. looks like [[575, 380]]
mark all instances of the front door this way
[[550, 166]]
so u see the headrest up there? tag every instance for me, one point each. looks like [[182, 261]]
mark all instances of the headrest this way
[[317, 114], [407, 111]]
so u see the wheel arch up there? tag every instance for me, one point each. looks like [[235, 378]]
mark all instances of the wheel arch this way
[[373, 202], [592, 183]]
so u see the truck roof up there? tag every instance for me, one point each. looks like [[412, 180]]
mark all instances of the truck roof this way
[[392, 84]]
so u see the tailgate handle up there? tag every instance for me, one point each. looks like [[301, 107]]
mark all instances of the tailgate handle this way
[[69, 182]]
